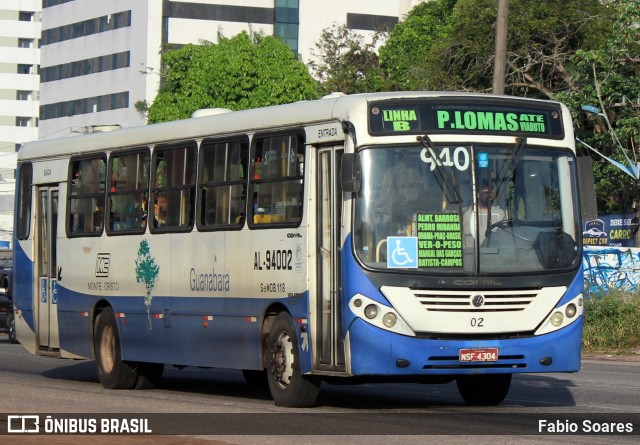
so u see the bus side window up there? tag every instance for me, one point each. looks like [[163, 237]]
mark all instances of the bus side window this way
[[24, 198], [174, 170], [277, 180], [87, 178], [223, 184], [129, 173]]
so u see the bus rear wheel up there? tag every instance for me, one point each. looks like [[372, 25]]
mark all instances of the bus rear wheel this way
[[114, 373], [11, 324], [485, 389], [288, 386], [149, 375]]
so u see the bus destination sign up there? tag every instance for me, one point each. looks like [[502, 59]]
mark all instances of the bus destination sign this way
[[386, 118]]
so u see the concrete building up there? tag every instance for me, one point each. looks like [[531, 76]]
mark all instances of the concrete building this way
[[19, 99], [100, 58], [19, 80]]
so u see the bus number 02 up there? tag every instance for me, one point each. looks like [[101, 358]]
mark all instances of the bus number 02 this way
[[477, 322], [460, 158]]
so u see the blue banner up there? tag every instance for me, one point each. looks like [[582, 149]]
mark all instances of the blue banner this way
[[613, 230]]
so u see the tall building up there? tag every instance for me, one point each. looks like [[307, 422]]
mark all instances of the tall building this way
[[100, 58], [19, 99], [19, 80]]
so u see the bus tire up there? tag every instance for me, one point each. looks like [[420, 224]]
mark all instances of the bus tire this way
[[484, 389], [287, 385], [255, 378], [149, 375], [114, 373], [11, 325]]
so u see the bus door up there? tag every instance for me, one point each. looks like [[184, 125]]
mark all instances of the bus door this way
[[329, 340], [45, 261]]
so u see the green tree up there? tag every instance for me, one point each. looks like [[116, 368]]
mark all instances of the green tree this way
[[576, 51], [404, 59], [346, 62], [147, 272], [449, 45], [237, 73], [608, 76]]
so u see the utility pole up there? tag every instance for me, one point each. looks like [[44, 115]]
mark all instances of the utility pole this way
[[501, 47]]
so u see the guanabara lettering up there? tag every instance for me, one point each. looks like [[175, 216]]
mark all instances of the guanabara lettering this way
[[208, 281]]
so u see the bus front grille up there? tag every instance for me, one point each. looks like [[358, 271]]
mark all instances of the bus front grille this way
[[452, 362], [465, 301]]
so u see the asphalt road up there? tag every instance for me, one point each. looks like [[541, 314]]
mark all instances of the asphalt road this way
[[205, 406]]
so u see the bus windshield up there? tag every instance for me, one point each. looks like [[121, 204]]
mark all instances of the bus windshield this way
[[472, 209]]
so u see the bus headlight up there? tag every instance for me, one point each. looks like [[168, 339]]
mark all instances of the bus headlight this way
[[389, 319], [371, 311], [562, 316], [379, 315], [557, 319]]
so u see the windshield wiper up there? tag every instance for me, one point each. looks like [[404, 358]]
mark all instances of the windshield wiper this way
[[508, 167], [444, 181], [505, 172]]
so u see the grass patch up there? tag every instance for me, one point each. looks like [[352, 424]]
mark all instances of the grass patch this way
[[612, 322]]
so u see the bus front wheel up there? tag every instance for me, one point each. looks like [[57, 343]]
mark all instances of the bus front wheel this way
[[114, 373], [287, 384], [255, 378], [484, 389]]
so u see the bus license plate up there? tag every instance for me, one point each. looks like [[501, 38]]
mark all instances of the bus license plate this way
[[479, 355]]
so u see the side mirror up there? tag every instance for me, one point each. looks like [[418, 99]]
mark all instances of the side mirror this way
[[350, 172], [587, 188]]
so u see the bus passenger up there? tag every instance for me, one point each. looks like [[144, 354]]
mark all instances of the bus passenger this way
[[133, 213], [145, 211], [98, 217], [160, 211]]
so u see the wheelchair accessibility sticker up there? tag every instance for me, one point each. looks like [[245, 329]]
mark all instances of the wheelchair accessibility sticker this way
[[402, 252]]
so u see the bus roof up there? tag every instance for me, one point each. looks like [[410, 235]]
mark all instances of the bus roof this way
[[332, 107]]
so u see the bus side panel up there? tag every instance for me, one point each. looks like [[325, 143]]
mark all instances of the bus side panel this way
[[23, 283], [207, 304], [269, 267], [195, 331], [75, 328], [22, 291], [198, 331]]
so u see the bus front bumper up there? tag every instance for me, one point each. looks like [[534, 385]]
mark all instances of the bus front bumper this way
[[374, 351]]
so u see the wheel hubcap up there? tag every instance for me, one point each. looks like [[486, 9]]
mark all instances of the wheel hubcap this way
[[282, 360], [107, 349]]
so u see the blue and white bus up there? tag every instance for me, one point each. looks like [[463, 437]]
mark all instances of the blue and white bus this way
[[417, 236]]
